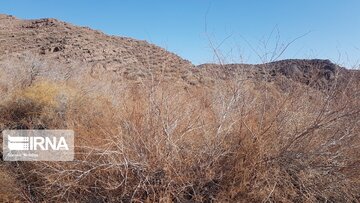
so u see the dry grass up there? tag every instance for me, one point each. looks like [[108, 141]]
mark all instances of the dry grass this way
[[238, 141]]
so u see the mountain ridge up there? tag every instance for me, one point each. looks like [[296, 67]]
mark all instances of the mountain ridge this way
[[114, 56]]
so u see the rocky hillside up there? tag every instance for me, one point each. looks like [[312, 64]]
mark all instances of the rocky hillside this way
[[92, 54], [107, 57], [320, 74], [55, 39]]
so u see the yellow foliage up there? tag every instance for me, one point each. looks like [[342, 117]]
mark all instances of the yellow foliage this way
[[45, 93]]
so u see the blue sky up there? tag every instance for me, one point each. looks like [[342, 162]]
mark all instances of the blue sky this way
[[239, 29]]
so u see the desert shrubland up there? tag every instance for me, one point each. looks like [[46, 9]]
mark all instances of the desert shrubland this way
[[237, 141], [152, 127]]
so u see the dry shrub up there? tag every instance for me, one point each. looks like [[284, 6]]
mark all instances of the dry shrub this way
[[239, 141]]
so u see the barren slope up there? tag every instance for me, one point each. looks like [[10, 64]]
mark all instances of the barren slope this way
[[107, 57], [74, 52]]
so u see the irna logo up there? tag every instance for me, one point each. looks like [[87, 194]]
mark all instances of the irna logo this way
[[38, 145]]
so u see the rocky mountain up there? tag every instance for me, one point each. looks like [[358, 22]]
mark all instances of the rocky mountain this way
[[65, 42], [317, 73], [82, 51], [98, 55]]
